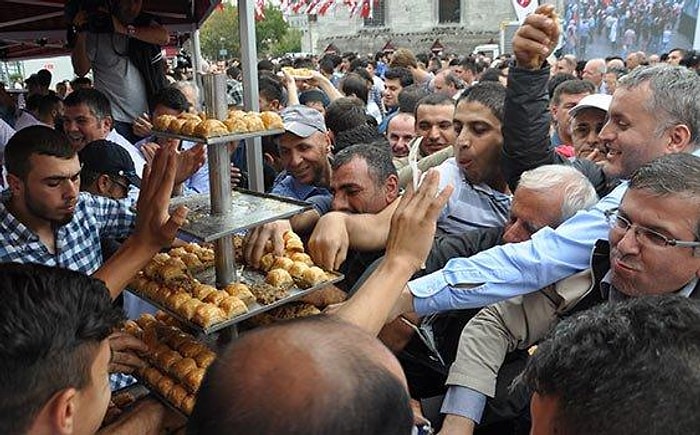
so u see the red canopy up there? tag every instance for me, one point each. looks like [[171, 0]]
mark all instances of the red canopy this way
[[37, 28]]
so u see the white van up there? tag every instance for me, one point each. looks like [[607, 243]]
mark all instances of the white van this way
[[490, 50]]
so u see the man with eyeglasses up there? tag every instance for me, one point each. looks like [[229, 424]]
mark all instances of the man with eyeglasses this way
[[653, 249]]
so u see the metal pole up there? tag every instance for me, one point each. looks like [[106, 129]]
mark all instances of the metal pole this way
[[196, 58], [249, 58], [219, 177]]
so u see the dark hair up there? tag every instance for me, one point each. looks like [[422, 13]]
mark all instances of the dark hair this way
[[433, 100], [469, 64], [363, 133], [355, 85], [47, 104], [36, 139], [326, 65], [409, 96], [79, 82], [53, 321], [489, 94], [403, 75], [572, 87], [365, 397], [490, 75], [31, 103], [378, 158], [96, 101], [270, 88], [623, 367], [345, 113], [263, 65], [172, 98], [556, 80]]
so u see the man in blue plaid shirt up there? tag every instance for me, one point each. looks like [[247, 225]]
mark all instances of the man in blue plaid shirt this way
[[45, 219]]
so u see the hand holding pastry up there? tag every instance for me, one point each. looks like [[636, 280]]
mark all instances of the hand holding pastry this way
[[257, 239], [125, 349], [536, 38], [329, 242]]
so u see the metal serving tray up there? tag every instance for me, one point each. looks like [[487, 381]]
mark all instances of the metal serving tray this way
[[248, 209], [247, 277], [219, 139]]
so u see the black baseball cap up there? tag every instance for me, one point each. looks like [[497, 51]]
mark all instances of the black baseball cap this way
[[107, 157]]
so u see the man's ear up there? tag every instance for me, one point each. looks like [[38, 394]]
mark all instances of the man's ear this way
[[61, 411], [15, 184], [553, 111], [107, 123], [679, 138], [275, 105], [392, 188], [102, 184]]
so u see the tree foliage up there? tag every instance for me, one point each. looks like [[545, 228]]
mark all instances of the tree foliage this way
[[273, 35]]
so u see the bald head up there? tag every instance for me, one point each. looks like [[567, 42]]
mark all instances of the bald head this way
[[593, 71], [316, 375]]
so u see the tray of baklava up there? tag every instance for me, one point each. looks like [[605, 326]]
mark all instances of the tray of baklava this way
[[238, 125], [180, 282]]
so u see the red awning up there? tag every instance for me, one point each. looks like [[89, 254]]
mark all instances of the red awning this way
[[37, 28]]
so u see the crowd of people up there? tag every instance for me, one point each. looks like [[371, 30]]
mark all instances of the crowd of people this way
[[520, 239]]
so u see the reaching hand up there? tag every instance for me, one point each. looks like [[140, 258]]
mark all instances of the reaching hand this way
[[148, 150], [536, 38], [142, 126], [414, 222], [125, 349], [329, 242], [189, 162], [258, 240], [155, 226]]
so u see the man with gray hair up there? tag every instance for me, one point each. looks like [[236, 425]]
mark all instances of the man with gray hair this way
[[448, 83], [593, 72]]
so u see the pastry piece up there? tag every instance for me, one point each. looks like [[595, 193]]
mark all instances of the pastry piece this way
[[193, 379], [162, 122], [177, 340], [175, 125], [266, 294], [150, 289], [188, 404], [294, 245], [232, 306], [289, 234], [183, 367], [211, 128], [163, 293], [139, 282], [175, 300], [201, 291], [315, 275], [283, 263], [294, 310], [152, 375], [297, 271], [279, 278], [193, 248], [192, 261], [254, 122], [168, 359], [164, 385], [188, 309], [207, 315], [236, 125], [190, 117], [216, 297], [146, 321], [132, 328], [241, 291], [206, 256], [271, 120], [266, 261], [235, 114], [189, 127], [177, 395], [205, 358], [304, 258], [178, 252], [190, 349]]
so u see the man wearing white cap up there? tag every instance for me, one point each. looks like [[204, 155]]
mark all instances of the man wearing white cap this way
[[587, 119], [304, 148]]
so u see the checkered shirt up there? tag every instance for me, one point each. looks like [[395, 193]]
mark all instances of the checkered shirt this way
[[77, 243], [234, 92]]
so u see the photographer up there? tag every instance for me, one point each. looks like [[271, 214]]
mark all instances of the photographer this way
[[122, 47]]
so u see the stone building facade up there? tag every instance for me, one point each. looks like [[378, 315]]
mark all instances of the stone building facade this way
[[459, 25]]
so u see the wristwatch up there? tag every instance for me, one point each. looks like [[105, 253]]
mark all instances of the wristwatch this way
[[131, 30]]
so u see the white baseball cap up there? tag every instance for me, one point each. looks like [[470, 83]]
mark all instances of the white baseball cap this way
[[593, 101]]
